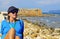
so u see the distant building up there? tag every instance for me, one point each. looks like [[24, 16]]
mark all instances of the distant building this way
[[30, 12], [4, 14]]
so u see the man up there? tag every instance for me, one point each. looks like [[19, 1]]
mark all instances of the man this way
[[12, 28]]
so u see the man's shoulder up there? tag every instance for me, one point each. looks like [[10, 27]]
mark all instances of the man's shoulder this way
[[20, 20], [4, 20]]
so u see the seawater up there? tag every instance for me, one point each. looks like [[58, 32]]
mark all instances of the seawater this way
[[49, 21]]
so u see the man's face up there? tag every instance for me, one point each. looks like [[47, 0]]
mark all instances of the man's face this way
[[13, 15]]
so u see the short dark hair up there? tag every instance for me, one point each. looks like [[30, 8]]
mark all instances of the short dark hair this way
[[12, 9]]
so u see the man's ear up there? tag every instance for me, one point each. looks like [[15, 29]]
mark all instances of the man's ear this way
[[8, 14]]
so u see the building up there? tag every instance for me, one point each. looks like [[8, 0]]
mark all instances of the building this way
[[29, 12], [3, 15]]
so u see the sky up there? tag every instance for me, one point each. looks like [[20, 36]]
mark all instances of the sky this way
[[44, 5]]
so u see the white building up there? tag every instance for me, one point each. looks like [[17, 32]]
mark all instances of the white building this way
[[2, 15]]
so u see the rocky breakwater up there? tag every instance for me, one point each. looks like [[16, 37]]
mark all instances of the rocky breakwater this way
[[35, 31]]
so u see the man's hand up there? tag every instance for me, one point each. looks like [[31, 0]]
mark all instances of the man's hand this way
[[17, 37]]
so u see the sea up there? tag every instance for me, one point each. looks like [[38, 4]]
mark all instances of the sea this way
[[50, 21]]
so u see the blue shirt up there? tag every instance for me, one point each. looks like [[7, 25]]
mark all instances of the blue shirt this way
[[19, 28]]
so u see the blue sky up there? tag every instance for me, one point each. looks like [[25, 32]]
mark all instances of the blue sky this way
[[44, 5]]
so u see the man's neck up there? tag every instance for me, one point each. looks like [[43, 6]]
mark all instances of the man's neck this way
[[11, 20]]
